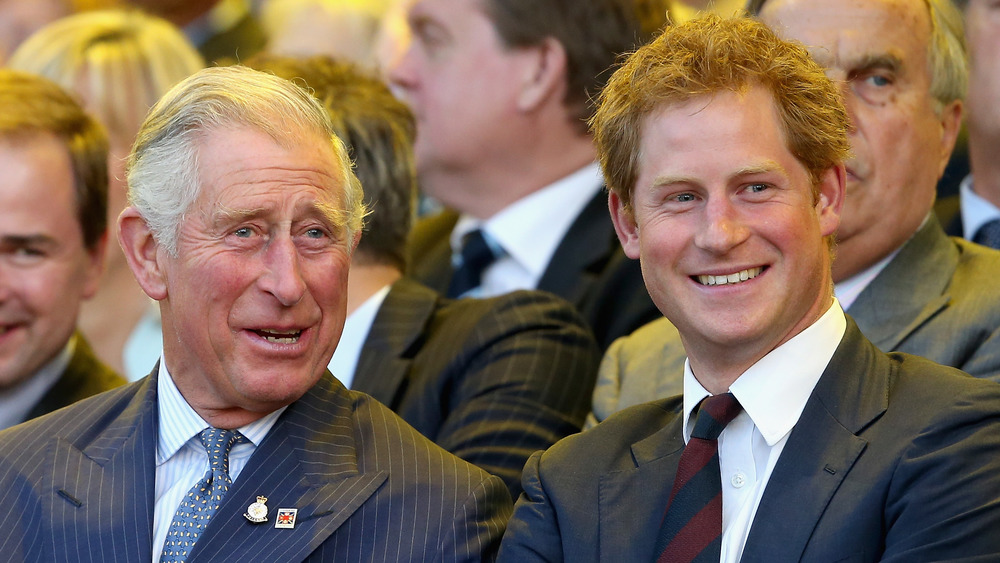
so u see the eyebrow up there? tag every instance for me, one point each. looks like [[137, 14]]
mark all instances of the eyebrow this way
[[764, 167], [19, 241], [326, 211], [887, 61]]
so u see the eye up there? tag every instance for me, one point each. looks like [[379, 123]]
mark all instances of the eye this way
[[757, 188], [315, 233], [684, 198], [878, 80], [243, 232]]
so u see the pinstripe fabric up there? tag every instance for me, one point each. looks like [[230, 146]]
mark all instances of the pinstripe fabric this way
[[490, 380], [77, 486]]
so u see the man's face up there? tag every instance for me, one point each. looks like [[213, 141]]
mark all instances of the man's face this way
[[982, 31], [45, 269], [878, 50], [462, 85], [727, 228], [255, 300]]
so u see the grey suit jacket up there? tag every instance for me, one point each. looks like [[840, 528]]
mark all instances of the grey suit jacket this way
[[938, 298], [77, 485], [894, 458], [589, 269], [490, 380]]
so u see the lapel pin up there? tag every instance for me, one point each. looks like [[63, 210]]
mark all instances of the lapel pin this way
[[285, 518], [257, 512]]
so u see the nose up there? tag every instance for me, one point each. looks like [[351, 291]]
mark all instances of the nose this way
[[722, 229], [283, 276]]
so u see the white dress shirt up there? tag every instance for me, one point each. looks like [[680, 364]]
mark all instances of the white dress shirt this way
[[773, 393], [181, 459], [344, 362], [975, 210], [17, 402], [529, 231]]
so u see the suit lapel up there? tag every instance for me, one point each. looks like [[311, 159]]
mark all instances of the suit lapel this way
[[821, 450], [103, 494], [307, 462], [395, 334], [911, 289], [582, 254], [633, 500]]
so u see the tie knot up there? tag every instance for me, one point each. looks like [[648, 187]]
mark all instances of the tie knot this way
[[988, 234], [714, 413], [476, 250], [218, 442]]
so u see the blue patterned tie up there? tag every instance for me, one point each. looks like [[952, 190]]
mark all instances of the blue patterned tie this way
[[204, 498], [477, 255]]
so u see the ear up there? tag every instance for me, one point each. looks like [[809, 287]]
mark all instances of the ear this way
[[142, 253], [951, 124], [624, 221], [543, 74], [830, 198], [95, 267]]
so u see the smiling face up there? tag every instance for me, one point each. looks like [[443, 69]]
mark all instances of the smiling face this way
[[878, 49], [45, 269], [728, 230], [253, 304]]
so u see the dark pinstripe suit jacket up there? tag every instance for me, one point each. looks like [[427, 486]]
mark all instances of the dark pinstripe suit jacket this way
[[77, 485], [490, 380], [589, 269], [893, 459], [83, 377]]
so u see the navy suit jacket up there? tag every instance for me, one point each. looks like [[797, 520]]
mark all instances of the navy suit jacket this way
[[490, 380], [589, 269], [77, 485], [894, 458]]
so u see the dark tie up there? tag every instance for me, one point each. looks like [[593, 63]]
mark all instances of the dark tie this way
[[988, 234], [475, 258], [692, 525], [204, 498]]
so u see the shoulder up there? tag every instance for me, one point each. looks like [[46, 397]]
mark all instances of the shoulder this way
[[608, 446], [79, 424]]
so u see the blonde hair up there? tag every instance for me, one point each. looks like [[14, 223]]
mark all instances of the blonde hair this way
[[119, 62], [709, 55]]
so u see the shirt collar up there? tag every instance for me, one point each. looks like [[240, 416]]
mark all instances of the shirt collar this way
[[774, 391], [975, 210], [344, 362], [178, 422], [530, 229]]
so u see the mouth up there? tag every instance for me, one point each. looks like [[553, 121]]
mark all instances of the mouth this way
[[729, 279], [279, 336]]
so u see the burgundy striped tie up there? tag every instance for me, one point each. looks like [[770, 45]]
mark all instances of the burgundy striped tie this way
[[692, 525]]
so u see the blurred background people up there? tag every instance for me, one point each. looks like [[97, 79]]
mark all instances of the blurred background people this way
[[975, 212], [224, 31], [53, 234], [118, 63], [501, 91]]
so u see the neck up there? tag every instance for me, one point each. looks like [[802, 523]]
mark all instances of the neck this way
[[366, 279], [491, 187], [985, 167]]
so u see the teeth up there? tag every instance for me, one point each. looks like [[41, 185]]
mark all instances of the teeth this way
[[730, 278], [281, 337]]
